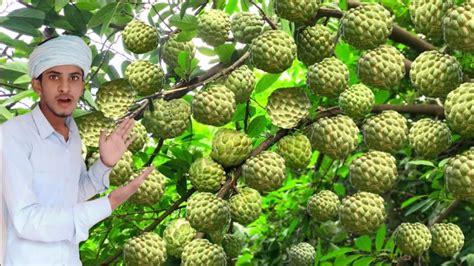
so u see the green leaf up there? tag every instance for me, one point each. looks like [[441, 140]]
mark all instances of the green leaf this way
[[104, 15], [186, 23], [16, 44], [418, 206], [381, 96], [339, 189], [186, 36], [207, 51], [20, 67], [380, 237], [336, 253], [422, 162], [266, 81], [343, 260], [411, 200], [20, 26], [59, 4], [257, 126], [231, 7], [5, 113], [32, 16], [225, 52], [363, 243], [363, 261], [343, 4]]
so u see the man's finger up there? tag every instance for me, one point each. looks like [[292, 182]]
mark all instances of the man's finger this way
[[120, 127], [130, 140], [128, 128], [146, 172], [103, 136]]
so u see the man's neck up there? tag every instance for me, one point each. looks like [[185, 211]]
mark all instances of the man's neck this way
[[55, 121]]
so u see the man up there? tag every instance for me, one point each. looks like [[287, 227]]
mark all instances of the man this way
[[45, 182]]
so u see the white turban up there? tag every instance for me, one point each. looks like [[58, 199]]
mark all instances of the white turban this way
[[63, 50]]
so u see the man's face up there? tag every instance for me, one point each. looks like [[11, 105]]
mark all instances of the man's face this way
[[60, 89]]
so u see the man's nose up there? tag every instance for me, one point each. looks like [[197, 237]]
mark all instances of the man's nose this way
[[64, 85]]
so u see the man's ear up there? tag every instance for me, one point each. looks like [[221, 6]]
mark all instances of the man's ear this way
[[36, 85]]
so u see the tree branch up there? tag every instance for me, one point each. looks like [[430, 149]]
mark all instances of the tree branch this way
[[155, 152], [264, 16], [445, 212]]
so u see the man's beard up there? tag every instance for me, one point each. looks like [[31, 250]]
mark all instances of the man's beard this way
[[63, 114]]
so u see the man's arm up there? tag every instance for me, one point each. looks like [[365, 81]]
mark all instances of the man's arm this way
[[94, 181]]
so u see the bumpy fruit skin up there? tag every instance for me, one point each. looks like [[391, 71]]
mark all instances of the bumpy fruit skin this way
[[296, 150], [90, 126], [427, 16], [230, 147], [139, 37], [328, 78], [382, 67], [333, 136], [241, 82], [459, 175], [459, 110], [115, 97], [323, 206], [122, 170], [314, 44], [146, 78], [429, 137], [207, 213], [362, 213], [245, 206], [214, 105], [177, 235], [375, 172], [274, 51], [203, 252], [302, 254], [447, 239], [246, 26], [435, 74], [233, 245], [298, 11], [206, 175], [366, 26], [413, 238], [150, 191], [457, 27], [172, 48], [140, 134], [264, 172], [386, 132], [214, 27], [287, 106], [169, 119], [146, 249], [357, 101]]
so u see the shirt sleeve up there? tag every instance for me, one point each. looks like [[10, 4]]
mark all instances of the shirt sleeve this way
[[94, 181], [32, 220]]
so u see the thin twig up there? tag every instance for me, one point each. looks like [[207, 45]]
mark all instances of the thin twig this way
[[264, 16], [155, 152], [445, 213], [247, 114]]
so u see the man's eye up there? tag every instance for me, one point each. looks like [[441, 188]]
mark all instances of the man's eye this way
[[75, 78], [53, 77]]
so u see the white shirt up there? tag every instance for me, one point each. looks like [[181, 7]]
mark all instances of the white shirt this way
[[45, 189]]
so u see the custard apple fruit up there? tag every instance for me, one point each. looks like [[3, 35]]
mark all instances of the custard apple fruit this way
[[328, 78], [139, 37], [90, 126], [357, 101], [362, 213], [314, 44], [273, 51], [146, 249], [296, 150], [177, 235], [427, 16], [140, 135], [206, 175], [287, 107], [413, 238], [459, 110], [386, 132], [366, 26], [334, 136], [173, 47], [435, 74], [146, 78], [458, 27], [323, 206], [230, 147], [115, 97], [302, 254], [429, 137], [203, 252], [214, 27], [149, 193], [241, 82], [375, 172], [121, 172], [214, 105], [459, 175], [299, 11], [447, 239], [246, 26], [245, 206], [169, 119], [207, 213], [264, 172]]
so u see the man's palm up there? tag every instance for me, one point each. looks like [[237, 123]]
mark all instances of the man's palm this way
[[114, 145]]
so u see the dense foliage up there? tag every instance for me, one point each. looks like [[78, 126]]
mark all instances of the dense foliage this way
[[419, 194]]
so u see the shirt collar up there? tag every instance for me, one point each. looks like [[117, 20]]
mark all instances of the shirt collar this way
[[44, 127]]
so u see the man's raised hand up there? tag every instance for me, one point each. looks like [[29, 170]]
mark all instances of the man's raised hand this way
[[114, 145]]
